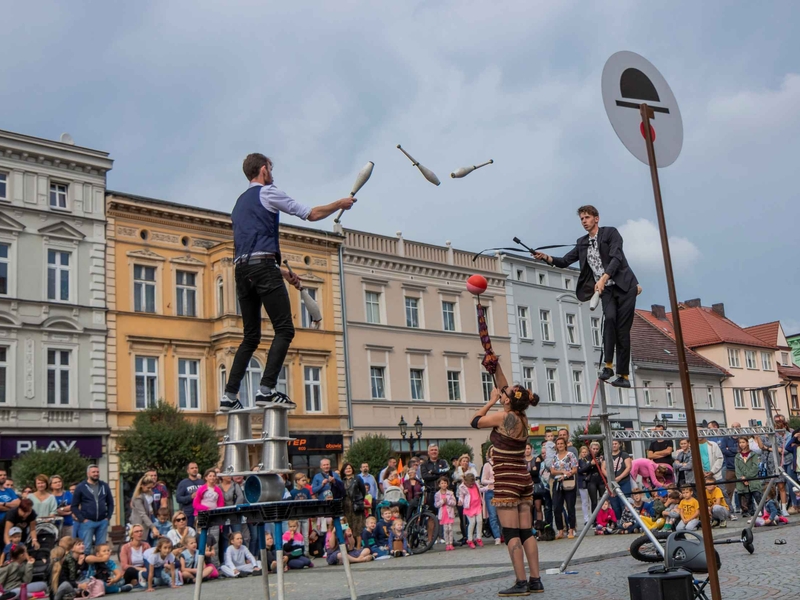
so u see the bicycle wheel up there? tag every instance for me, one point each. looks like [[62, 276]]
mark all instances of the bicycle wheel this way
[[643, 549], [422, 530]]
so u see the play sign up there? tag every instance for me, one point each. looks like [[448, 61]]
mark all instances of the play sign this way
[[628, 81], [12, 446]]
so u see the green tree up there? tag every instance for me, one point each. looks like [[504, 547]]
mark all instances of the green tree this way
[[372, 449], [453, 449], [70, 465], [162, 438], [594, 429], [485, 448], [794, 423]]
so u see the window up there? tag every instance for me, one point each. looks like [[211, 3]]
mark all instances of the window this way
[[552, 384], [670, 397], [567, 283], [520, 274], [250, 384], [305, 318], [646, 393], [283, 381], [523, 321], [785, 359], [146, 381], [220, 297], [417, 380], [733, 358], [58, 195], [738, 398], [144, 289], [577, 385], [449, 315], [58, 377], [188, 384], [4, 248], [542, 278], [313, 388], [3, 186], [755, 399], [412, 312], [750, 359], [544, 317], [373, 300], [454, 386], [596, 337], [487, 383], [57, 275], [620, 396], [792, 389], [4, 374], [710, 396], [186, 293], [223, 380], [377, 382], [766, 361], [572, 330], [527, 378], [773, 398]]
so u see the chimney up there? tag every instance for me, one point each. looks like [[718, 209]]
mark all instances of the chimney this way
[[719, 309], [693, 303], [659, 312]]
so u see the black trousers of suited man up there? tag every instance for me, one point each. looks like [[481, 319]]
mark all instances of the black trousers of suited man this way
[[618, 310]]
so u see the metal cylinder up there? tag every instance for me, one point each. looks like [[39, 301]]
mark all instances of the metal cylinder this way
[[274, 455], [235, 458], [263, 488], [276, 422], [239, 427]]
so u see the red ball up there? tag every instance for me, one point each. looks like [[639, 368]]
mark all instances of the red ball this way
[[477, 284]]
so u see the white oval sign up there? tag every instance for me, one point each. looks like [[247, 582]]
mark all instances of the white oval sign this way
[[630, 80]]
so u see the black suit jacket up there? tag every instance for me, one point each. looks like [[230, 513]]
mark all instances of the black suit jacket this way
[[609, 243]]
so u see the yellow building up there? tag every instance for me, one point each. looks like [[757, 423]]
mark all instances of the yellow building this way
[[174, 327]]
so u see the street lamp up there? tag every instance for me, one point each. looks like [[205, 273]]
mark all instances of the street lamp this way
[[659, 422], [410, 434]]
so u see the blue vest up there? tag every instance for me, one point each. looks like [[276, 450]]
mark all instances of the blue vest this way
[[255, 229]]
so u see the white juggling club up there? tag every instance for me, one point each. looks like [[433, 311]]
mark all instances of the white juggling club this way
[[426, 172], [594, 301], [464, 171], [363, 176], [311, 305]]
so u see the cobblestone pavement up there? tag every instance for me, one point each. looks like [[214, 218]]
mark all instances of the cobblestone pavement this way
[[602, 564]]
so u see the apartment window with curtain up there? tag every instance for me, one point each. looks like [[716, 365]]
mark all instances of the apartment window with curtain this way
[[572, 330], [766, 361], [58, 275], [596, 337], [4, 248], [454, 386], [487, 383], [551, 376], [755, 399], [417, 380], [524, 322], [738, 398], [670, 397], [220, 297], [577, 385], [785, 359], [377, 382], [146, 368], [547, 327], [189, 384], [186, 293], [794, 400], [412, 312], [527, 378], [3, 186], [312, 382], [750, 359], [223, 380], [58, 195], [58, 375], [710, 396], [646, 393], [733, 358], [449, 315], [144, 289], [373, 306], [250, 383], [4, 373]]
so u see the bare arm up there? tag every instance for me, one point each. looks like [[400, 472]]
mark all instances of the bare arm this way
[[500, 380], [485, 420], [627, 471], [320, 212]]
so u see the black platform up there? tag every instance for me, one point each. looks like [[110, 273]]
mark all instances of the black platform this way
[[270, 512]]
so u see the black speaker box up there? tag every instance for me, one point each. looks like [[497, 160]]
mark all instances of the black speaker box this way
[[665, 585]]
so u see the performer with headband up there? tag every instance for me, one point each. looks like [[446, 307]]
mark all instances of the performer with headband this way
[[513, 486], [605, 269], [259, 276]]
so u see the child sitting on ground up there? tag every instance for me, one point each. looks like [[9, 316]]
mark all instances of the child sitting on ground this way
[[645, 510], [369, 538], [469, 495], [188, 563], [316, 544], [606, 520], [717, 507], [671, 512], [162, 522], [239, 562], [445, 501], [382, 529], [101, 567], [159, 562], [14, 538], [398, 543], [772, 514], [293, 547], [272, 558], [69, 573], [19, 570], [690, 511]]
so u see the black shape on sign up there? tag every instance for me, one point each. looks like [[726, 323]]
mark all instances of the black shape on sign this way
[[635, 84]]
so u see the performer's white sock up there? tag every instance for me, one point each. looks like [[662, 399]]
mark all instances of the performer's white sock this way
[[783, 506], [230, 395], [266, 391]]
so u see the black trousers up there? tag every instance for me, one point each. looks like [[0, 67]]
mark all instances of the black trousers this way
[[618, 308], [596, 491], [564, 499], [256, 285]]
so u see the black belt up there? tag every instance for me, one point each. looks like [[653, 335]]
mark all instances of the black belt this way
[[257, 259]]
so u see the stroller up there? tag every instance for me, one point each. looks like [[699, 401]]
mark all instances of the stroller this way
[[47, 530], [393, 496]]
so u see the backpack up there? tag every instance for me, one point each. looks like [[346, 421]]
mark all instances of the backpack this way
[[337, 489]]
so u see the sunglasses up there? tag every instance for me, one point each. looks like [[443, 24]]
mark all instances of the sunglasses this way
[[179, 519]]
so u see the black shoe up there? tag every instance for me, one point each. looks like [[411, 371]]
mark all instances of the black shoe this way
[[535, 585], [621, 382], [126, 588], [275, 397], [606, 374], [227, 404], [518, 589]]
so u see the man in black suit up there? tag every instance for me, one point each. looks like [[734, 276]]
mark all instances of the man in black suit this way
[[604, 269]]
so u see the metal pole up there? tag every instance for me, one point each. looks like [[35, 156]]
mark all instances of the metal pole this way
[[337, 524], [262, 547], [691, 422], [201, 554], [589, 525], [279, 557]]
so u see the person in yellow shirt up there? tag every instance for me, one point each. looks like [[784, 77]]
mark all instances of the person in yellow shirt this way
[[690, 511], [717, 507]]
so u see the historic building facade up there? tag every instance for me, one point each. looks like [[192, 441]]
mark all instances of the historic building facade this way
[[174, 324], [52, 297], [412, 337]]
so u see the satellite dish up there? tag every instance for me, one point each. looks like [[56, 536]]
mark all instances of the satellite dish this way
[[67, 139]]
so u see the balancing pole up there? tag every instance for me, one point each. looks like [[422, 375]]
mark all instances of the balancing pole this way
[[686, 386]]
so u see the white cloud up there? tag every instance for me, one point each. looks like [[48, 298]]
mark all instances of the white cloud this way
[[643, 248]]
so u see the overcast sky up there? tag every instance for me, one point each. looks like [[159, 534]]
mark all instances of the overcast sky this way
[[179, 92]]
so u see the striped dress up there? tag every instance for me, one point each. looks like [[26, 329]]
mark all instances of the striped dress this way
[[512, 480]]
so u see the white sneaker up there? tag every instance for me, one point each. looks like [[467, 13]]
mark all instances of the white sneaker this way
[[733, 517], [497, 542], [785, 513]]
